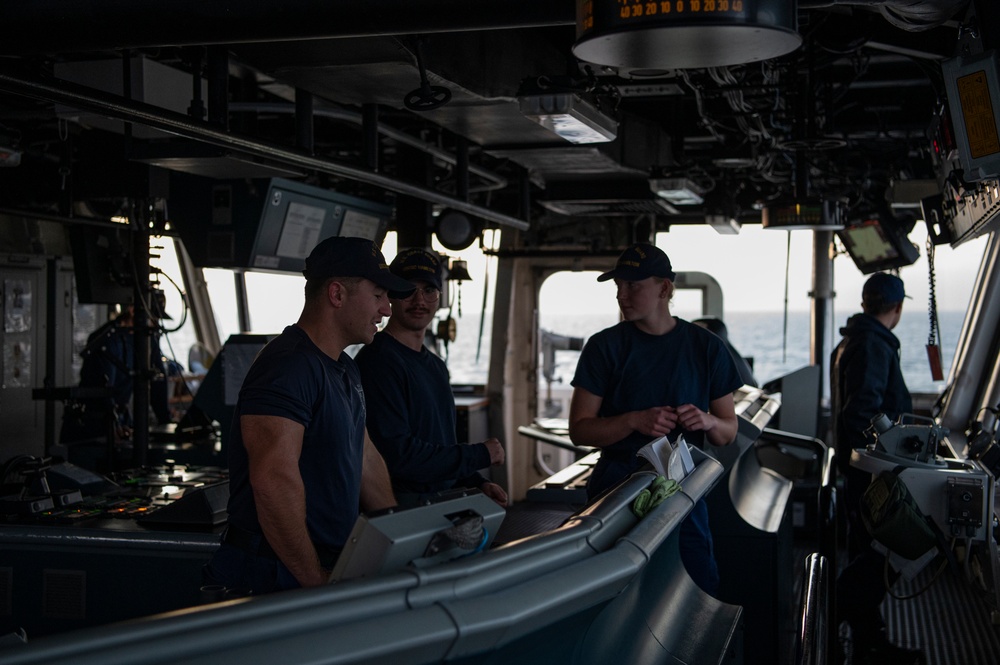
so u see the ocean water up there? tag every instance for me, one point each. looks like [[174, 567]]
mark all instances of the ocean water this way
[[775, 347]]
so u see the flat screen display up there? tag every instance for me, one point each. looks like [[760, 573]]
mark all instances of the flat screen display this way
[[877, 245], [267, 225], [868, 242]]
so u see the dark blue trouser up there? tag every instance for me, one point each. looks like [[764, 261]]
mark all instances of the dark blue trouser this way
[[695, 537], [245, 573]]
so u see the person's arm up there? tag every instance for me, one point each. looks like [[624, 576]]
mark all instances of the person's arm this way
[[864, 383], [376, 487], [412, 458], [587, 428], [273, 446], [409, 457], [718, 423]]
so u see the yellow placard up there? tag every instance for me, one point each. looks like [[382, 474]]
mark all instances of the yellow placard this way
[[977, 112]]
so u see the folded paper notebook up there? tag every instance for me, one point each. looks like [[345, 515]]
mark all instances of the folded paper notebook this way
[[671, 460]]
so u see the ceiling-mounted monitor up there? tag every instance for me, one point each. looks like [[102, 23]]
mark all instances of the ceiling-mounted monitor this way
[[877, 243], [268, 225]]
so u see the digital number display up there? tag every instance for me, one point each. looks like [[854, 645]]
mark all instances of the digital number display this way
[[586, 15], [639, 9]]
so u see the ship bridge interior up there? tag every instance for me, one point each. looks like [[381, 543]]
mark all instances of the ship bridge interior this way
[[568, 130], [571, 133], [723, 117]]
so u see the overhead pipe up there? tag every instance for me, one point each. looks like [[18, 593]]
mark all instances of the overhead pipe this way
[[462, 168], [368, 119], [372, 149], [304, 134], [218, 93], [88, 99], [63, 219], [142, 345], [51, 26]]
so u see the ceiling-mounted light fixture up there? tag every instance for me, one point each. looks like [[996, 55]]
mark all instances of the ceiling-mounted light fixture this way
[[569, 116], [679, 191], [724, 225]]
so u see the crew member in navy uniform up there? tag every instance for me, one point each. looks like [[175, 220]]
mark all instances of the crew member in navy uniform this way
[[301, 465], [866, 380], [649, 376], [411, 410], [109, 362]]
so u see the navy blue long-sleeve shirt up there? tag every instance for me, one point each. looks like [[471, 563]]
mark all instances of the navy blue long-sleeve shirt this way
[[411, 419], [866, 381]]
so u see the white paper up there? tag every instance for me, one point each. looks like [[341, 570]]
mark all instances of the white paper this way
[[672, 461], [300, 232], [658, 453], [685, 454], [360, 225]]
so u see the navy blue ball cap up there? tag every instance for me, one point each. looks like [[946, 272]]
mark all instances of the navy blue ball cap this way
[[338, 256], [885, 286], [638, 262], [418, 264]]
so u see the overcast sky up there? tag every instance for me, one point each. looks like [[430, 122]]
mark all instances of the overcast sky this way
[[750, 267]]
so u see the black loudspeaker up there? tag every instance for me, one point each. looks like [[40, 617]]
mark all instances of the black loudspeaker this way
[[202, 506]]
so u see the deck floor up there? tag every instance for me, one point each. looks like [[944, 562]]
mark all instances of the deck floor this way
[[950, 621]]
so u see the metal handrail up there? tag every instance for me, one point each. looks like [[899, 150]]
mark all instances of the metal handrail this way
[[827, 527], [813, 620]]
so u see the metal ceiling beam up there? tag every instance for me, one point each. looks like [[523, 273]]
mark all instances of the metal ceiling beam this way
[[50, 26], [493, 181], [58, 26], [88, 99]]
